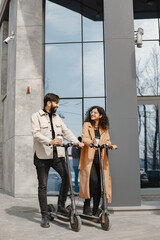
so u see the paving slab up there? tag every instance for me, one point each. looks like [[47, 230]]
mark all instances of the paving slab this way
[[20, 220]]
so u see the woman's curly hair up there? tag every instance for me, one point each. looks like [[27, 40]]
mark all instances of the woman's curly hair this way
[[103, 121]]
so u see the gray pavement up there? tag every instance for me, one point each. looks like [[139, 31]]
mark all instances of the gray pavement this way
[[20, 220]]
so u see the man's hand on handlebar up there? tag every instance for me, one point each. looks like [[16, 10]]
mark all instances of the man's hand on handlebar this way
[[56, 141]]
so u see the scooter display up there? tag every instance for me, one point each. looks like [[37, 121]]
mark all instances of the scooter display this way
[[103, 214], [73, 217]]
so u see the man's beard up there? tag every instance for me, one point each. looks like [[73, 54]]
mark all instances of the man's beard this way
[[53, 110]]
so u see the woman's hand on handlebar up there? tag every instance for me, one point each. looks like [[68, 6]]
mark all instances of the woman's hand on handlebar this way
[[113, 147], [94, 142], [80, 144]]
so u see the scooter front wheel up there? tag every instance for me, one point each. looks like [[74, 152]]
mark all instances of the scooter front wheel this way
[[75, 223], [105, 223]]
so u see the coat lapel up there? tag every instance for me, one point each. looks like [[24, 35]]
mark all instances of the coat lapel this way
[[91, 131]]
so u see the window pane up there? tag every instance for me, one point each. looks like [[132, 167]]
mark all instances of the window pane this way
[[93, 69], [63, 69], [150, 27], [64, 29], [148, 69], [71, 113], [92, 30], [149, 144], [62, 24], [93, 102]]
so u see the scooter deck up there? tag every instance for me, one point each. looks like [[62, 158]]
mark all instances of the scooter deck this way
[[89, 218], [60, 217]]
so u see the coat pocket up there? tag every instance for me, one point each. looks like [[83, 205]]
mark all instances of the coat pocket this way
[[44, 124], [58, 129]]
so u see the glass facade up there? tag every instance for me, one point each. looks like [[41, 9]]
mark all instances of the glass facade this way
[[148, 126], [147, 58], [149, 136], [74, 60], [148, 87]]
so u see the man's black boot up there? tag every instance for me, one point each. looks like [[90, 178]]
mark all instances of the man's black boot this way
[[62, 210], [45, 222]]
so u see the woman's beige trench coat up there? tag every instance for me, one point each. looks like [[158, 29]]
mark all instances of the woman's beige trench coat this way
[[86, 160]]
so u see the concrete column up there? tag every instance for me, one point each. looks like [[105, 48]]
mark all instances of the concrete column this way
[[4, 59], [24, 68], [3, 92], [122, 101], [29, 72], [1, 164], [9, 106]]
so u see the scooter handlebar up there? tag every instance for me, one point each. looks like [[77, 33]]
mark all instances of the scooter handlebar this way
[[67, 145], [101, 146]]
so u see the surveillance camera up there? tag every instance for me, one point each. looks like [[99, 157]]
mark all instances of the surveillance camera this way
[[138, 37], [8, 39]]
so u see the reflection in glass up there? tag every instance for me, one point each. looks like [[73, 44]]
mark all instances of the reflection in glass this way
[[54, 182], [63, 73], [71, 113], [63, 67], [150, 27], [62, 24], [93, 69], [148, 69], [89, 102], [92, 30], [74, 162], [149, 139]]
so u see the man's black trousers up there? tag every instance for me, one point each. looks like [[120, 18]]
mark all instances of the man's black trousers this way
[[42, 167]]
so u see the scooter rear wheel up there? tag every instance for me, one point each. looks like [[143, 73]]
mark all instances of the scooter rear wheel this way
[[106, 223], [51, 209], [76, 225]]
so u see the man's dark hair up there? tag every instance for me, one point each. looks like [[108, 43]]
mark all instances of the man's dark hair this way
[[50, 97]]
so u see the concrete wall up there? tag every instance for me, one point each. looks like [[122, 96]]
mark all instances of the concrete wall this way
[[29, 61], [25, 63], [122, 101], [3, 91], [1, 109], [9, 108]]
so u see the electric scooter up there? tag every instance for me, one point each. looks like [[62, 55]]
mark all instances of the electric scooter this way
[[73, 217], [103, 214]]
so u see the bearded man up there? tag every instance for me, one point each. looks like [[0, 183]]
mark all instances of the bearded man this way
[[46, 127]]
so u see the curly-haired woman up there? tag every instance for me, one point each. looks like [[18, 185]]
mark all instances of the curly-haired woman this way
[[95, 126]]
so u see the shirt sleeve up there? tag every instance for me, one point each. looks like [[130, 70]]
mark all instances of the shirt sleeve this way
[[35, 128]]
